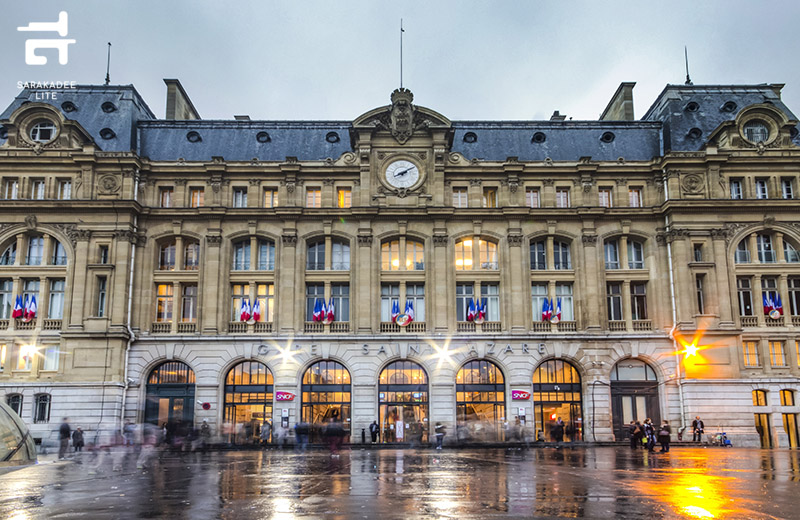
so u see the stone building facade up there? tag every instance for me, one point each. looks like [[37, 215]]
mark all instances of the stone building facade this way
[[663, 245]]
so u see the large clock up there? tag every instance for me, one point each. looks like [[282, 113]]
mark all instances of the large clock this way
[[402, 174]]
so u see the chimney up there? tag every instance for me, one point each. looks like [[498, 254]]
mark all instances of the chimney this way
[[179, 106], [620, 108], [557, 116]]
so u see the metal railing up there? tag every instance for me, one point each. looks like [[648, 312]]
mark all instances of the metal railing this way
[[642, 325], [161, 327]]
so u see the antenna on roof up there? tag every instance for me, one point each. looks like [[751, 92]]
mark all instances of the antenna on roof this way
[[108, 65], [686, 58], [401, 52]]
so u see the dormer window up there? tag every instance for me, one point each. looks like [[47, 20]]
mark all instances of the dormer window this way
[[756, 131]]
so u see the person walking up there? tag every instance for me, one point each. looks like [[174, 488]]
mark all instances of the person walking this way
[[558, 432], [638, 434], [127, 434], [266, 431], [373, 431], [633, 429], [440, 431], [697, 429], [77, 440], [64, 435], [650, 433], [663, 436]]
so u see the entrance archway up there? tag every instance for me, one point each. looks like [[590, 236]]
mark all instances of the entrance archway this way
[[326, 395], [634, 395], [248, 401], [480, 402], [557, 395], [169, 395], [403, 403]]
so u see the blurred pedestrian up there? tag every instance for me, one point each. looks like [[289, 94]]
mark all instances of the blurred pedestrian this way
[[127, 434], [205, 435], [557, 432], [650, 434], [633, 429], [638, 434], [663, 436], [440, 431], [266, 431], [697, 429], [77, 439], [64, 435], [301, 433], [374, 429]]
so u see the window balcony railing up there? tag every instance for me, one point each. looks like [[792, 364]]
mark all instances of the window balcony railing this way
[[313, 327], [749, 321], [22, 325], [416, 326], [767, 257], [262, 327], [616, 325], [4, 324], [339, 327], [187, 328], [237, 327], [567, 326], [491, 326], [388, 326], [775, 323], [465, 326], [161, 327], [742, 257], [315, 266], [265, 266], [51, 325], [340, 266], [490, 266], [642, 325], [541, 326], [795, 322], [60, 260]]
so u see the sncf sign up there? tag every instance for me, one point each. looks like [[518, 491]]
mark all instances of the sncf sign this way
[[284, 396], [520, 395]]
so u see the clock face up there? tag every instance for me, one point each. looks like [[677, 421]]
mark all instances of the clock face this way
[[402, 174]]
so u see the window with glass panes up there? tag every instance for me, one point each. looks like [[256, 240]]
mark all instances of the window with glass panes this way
[[344, 197], [340, 256], [14, 401], [101, 296], [10, 189], [241, 255], [750, 353], [701, 300], [41, 408], [736, 189], [50, 358], [390, 293], [614, 301], [265, 294], [313, 198], [787, 397], [6, 298], [742, 255], [55, 309], [340, 293], [635, 197], [538, 296], [561, 256], [240, 292], [797, 351], [777, 356], [30, 289], [415, 256], [315, 257], [415, 293], [25, 357], [189, 303], [314, 291], [464, 293], [604, 194], [538, 255], [460, 199], [769, 287], [759, 398], [490, 295], [9, 255], [532, 198], [102, 254], [787, 189], [266, 255], [65, 190], [635, 255], [164, 294], [639, 300], [489, 197], [196, 197], [165, 197], [35, 250], [766, 254], [564, 293], [191, 256], [761, 189], [3, 352], [166, 257], [794, 296], [463, 252], [37, 189], [488, 255], [59, 254], [390, 255], [240, 197], [270, 198], [611, 251], [562, 197], [790, 253], [744, 290]]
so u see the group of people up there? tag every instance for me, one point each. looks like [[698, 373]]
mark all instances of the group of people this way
[[646, 434], [65, 434]]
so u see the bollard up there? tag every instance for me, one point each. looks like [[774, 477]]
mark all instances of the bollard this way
[[363, 436]]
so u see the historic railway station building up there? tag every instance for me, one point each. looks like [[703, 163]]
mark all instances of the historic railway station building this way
[[597, 271]]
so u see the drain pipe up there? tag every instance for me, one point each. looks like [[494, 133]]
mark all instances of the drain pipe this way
[[674, 311], [131, 336]]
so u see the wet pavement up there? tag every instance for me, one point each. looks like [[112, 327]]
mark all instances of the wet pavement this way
[[603, 482]]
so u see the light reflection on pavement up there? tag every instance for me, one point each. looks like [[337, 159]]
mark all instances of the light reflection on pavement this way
[[599, 482]]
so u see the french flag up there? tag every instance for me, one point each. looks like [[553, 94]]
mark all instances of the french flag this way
[[30, 309], [331, 310], [768, 304], [410, 310], [18, 309], [471, 310], [244, 311], [558, 310], [317, 315], [395, 310], [481, 310], [257, 311], [778, 304], [547, 312]]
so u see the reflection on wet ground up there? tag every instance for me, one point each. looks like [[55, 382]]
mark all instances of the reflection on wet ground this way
[[491, 483]]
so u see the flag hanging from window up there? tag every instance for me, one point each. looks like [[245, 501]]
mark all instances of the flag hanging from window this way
[[331, 310], [18, 308], [546, 311], [409, 310], [395, 310], [257, 311], [480, 312], [471, 310], [244, 311], [778, 304], [317, 314], [558, 310], [30, 309]]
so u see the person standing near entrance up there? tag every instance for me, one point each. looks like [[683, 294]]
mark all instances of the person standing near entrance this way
[[650, 433], [558, 432], [633, 429], [440, 431], [663, 436], [64, 435], [697, 429], [77, 439], [373, 431]]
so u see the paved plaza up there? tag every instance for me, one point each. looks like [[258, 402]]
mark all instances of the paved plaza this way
[[603, 482]]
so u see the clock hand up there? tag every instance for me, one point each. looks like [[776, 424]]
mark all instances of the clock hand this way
[[400, 174]]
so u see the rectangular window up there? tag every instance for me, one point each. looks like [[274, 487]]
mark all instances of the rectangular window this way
[[750, 351], [777, 356], [266, 255], [490, 295], [340, 256], [562, 197], [56, 301], [313, 198], [196, 197], [10, 189], [265, 294], [698, 252], [460, 197], [538, 296], [464, 255], [415, 293], [744, 289], [239, 293], [605, 197], [532, 198], [6, 298], [50, 361], [35, 250], [769, 288], [794, 296], [101, 296], [635, 255], [344, 198], [787, 189], [41, 408], [241, 256], [464, 293], [415, 256], [25, 357], [564, 293], [270, 198], [390, 293], [165, 197], [787, 398], [103, 255], [30, 289], [37, 189], [614, 301], [313, 291], [736, 189], [489, 197], [488, 255], [538, 256], [635, 197], [701, 300], [611, 250], [239, 197], [340, 292], [766, 254], [639, 300], [65, 190], [164, 292], [189, 304], [761, 189]]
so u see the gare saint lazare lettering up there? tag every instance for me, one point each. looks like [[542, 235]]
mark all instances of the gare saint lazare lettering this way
[[404, 350]]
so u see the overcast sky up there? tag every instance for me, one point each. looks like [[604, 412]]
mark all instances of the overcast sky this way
[[325, 59]]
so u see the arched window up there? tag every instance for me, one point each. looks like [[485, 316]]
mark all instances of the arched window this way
[[415, 256], [480, 401], [390, 255], [635, 255], [787, 397], [315, 259], [41, 408], [166, 256], [326, 392], [766, 253], [241, 255], [170, 394], [465, 254], [742, 253], [59, 254], [266, 255], [403, 402], [191, 256], [633, 370], [611, 252], [488, 253], [35, 250], [340, 255], [561, 256], [15, 402], [557, 401], [759, 398], [9, 255], [538, 255], [463, 250], [790, 252], [248, 401]]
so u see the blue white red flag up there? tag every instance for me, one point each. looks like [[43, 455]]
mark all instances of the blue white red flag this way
[[546, 310], [395, 310], [331, 311], [778, 304], [410, 310], [317, 314], [471, 310], [558, 310], [244, 311], [257, 311], [768, 305], [481, 310], [30, 309], [18, 308]]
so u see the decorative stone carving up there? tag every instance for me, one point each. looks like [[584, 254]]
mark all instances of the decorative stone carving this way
[[217, 159], [141, 239], [589, 239], [769, 221], [676, 234], [513, 186], [401, 192], [328, 161], [255, 162], [349, 157], [440, 240], [254, 182], [719, 234], [356, 182], [181, 182], [621, 181], [328, 182], [108, 184], [126, 235], [548, 182], [213, 240], [548, 161], [401, 116], [290, 187], [215, 184], [475, 182], [31, 222], [515, 240], [289, 240], [422, 155], [661, 239], [692, 184], [69, 230], [364, 240]]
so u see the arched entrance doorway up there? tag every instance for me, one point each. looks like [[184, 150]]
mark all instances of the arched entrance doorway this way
[[480, 402], [326, 395], [248, 401], [557, 395], [634, 395], [403, 402], [169, 395]]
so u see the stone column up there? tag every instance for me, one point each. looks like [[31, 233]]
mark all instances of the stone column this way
[[212, 293], [783, 290], [592, 284], [179, 253], [474, 195], [364, 285], [21, 252], [722, 289], [253, 253], [43, 299], [287, 289], [176, 306], [627, 308], [752, 245], [758, 300], [683, 284], [519, 286], [79, 281], [623, 252], [779, 256], [439, 288], [550, 257]]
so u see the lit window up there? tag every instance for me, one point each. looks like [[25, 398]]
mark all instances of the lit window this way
[[196, 197], [3, 351], [532, 198], [605, 197], [759, 398], [165, 197], [463, 249], [25, 358], [65, 190], [239, 293], [488, 255], [750, 351], [415, 256], [777, 356], [343, 198], [239, 197], [313, 198], [489, 197], [390, 255], [787, 398], [270, 198], [460, 197], [265, 294], [164, 293], [562, 197], [635, 197]]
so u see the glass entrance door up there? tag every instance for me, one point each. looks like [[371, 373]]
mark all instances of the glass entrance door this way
[[403, 403], [763, 429], [404, 423], [169, 398], [790, 427]]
